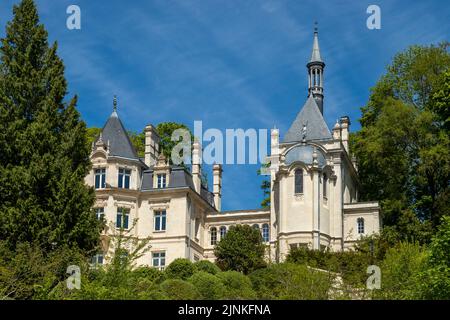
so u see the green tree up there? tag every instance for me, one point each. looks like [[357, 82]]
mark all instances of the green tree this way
[[208, 285], [180, 268], [206, 266], [435, 281], [92, 135], [177, 289], [265, 186], [44, 156], [287, 281], [138, 141], [400, 270], [165, 131], [237, 286], [241, 250], [403, 148]]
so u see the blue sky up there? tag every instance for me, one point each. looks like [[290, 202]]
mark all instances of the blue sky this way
[[231, 64]]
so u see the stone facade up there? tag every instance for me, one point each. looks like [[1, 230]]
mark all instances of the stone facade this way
[[313, 179]]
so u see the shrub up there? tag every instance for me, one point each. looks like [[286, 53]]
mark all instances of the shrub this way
[[149, 273], [179, 269], [237, 285], [287, 281], [209, 286], [206, 266], [399, 272], [241, 249], [177, 289], [435, 281]]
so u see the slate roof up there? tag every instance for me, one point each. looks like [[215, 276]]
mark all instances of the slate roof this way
[[315, 55], [179, 178], [114, 134], [316, 128]]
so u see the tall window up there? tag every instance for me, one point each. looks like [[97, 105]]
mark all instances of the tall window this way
[[122, 218], [160, 220], [124, 178], [161, 181], [298, 181], [325, 185], [213, 236], [265, 232], [159, 259], [100, 178], [223, 232], [100, 213], [360, 223]]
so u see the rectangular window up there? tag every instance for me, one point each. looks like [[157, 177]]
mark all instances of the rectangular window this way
[[161, 181], [124, 178], [298, 176], [122, 218], [97, 260], [100, 178], [100, 213], [159, 260], [160, 220]]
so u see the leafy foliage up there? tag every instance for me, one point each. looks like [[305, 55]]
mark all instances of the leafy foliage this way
[[206, 266], [165, 131], [44, 156], [237, 286], [241, 250], [178, 289], [208, 285], [288, 281], [180, 269], [403, 147]]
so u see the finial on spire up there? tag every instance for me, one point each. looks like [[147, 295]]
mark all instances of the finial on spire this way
[[115, 103], [315, 27]]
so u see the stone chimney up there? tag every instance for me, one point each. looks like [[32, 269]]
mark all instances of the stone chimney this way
[[217, 185], [337, 131], [152, 140], [345, 128], [196, 165]]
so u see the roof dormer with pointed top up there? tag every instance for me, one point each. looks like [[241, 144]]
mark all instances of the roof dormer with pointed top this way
[[116, 137]]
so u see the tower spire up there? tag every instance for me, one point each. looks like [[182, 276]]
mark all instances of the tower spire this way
[[315, 72], [114, 113]]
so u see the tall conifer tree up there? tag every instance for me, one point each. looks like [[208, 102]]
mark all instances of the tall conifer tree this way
[[43, 152]]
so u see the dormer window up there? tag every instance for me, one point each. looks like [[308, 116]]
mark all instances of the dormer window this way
[[100, 178], [124, 178], [161, 182]]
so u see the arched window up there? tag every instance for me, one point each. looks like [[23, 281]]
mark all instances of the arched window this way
[[255, 226], [360, 224], [213, 236], [325, 185], [265, 232], [299, 181], [223, 232]]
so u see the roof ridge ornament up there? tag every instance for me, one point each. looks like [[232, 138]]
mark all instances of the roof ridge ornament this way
[[304, 131], [115, 103]]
